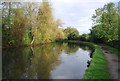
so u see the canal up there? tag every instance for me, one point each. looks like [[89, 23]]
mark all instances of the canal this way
[[49, 61]]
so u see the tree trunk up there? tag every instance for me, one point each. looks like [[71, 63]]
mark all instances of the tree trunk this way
[[33, 41]]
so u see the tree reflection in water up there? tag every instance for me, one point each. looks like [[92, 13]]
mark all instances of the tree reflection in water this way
[[36, 62]]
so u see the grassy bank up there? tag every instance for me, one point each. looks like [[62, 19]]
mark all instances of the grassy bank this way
[[113, 50], [98, 67]]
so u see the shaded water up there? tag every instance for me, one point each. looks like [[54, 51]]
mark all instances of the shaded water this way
[[50, 61]]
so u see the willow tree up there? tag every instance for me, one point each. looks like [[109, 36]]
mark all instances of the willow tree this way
[[46, 29], [30, 10]]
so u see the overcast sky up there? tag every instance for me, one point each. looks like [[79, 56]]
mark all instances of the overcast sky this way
[[77, 13]]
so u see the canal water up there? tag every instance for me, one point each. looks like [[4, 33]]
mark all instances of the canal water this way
[[50, 61]]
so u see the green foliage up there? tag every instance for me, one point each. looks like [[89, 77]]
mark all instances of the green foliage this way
[[105, 23], [85, 37], [27, 37], [71, 33]]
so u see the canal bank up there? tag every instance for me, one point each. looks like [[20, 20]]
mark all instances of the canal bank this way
[[98, 67]]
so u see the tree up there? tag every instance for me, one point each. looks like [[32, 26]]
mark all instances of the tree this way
[[47, 28], [31, 10], [19, 24], [45, 23], [85, 37], [105, 23], [71, 33], [29, 23], [8, 16]]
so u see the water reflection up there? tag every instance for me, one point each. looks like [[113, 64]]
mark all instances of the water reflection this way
[[50, 61], [71, 48]]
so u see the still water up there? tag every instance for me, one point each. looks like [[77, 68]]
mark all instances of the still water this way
[[50, 61]]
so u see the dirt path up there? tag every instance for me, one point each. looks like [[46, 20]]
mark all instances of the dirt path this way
[[113, 63]]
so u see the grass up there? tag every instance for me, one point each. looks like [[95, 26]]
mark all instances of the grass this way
[[98, 68], [114, 50]]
